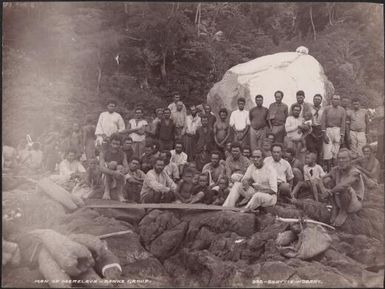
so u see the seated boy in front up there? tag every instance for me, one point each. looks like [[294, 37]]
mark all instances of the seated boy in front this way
[[313, 174], [221, 191]]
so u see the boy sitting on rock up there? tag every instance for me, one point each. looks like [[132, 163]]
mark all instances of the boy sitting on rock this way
[[221, 191], [313, 174]]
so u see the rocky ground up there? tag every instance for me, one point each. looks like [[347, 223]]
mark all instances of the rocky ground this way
[[174, 248]]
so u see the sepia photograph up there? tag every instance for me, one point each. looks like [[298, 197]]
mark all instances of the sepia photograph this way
[[192, 144]]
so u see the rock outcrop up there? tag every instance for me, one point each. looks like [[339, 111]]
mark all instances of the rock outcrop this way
[[285, 71]]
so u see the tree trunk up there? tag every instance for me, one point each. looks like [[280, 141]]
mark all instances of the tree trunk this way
[[163, 65], [99, 74], [312, 23]]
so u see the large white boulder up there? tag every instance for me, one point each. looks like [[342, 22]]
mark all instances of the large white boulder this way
[[285, 71]]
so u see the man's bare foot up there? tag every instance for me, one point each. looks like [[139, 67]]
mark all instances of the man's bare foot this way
[[244, 201], [122, 199], [106, 196], [341, 218]]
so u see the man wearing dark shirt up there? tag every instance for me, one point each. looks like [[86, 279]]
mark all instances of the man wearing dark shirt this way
[[258, 123], [278, 112], [166, 131], [210, 116], [205, 143], [127, 148], [305, 106]]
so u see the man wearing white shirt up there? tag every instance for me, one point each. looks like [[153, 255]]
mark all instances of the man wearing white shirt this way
[[240, 122], [109, 122], [193, 122], [258, 186], [284, 171], [171, 169], [173, 106], [136, 128], [294, 127]]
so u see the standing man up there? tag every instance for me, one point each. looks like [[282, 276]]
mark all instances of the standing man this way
[[240, 122], [333, 129], [346, 104], [158, 187], [179, 119], [295, 127], [166, 131], [348, 192], [285, 176], [278, 112], [359, 127], [109, 122], [110, 159], [136, 128], [193, 122], [378, 121], [151, 129], [205, 143], [305, 106], [210, 115], [258, 186], [236, 163], [89, 138], [314, 140], [258, 123], [222, 131], [173, 106]]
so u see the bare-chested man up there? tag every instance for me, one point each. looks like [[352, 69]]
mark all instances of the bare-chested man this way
[[222, 130]]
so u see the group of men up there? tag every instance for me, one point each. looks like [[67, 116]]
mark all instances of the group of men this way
[[243, 158]]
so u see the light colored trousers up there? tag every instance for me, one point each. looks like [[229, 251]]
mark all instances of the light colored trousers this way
[[258, 199], [331, 149], [358, 141], [256, 138]]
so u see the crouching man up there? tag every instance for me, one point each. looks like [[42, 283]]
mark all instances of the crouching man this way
[[258, 186], [113, 165], [348, 191], [158, 187]]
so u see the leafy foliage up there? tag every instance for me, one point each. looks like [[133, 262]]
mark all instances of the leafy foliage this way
[[63, 60]]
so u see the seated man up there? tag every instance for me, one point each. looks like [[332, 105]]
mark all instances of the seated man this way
[[313, 174], [93, 177], [296, 165], [369, 166], [246, 152], [348, 192], [171, 169], [148, 158], [258, 186], [158, 187], [69, 168], [201, 192], [113, 165], [221, 192], [236, 163], [178, 156], [34, 158], [134, 180], [285, 174], [215, 169]]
